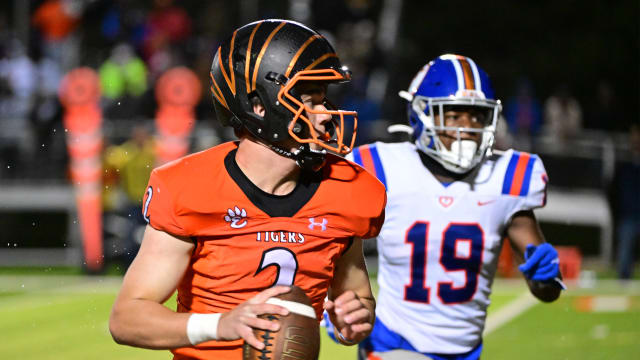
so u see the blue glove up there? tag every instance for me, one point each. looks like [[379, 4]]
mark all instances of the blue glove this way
[[542, 264]]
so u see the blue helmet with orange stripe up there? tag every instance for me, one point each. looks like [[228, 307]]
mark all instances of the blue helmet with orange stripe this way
[[452, 82]]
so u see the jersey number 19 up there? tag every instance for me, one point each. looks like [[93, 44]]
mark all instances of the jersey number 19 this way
[[418, 235]]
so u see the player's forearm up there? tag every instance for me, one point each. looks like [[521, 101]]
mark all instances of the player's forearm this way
[[147, 324]]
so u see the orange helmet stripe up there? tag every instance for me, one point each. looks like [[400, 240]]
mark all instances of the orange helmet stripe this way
[[262, 51], [217, 93], [224, 74], [247, 61], [298, 53], [468, 74], [321, 59], [231, 72]]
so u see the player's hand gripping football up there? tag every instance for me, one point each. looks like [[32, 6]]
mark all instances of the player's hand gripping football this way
[[542, 264], [238, 323], [350, 317]]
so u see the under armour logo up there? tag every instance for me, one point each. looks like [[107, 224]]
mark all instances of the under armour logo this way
[[313, 223], [236, 217]]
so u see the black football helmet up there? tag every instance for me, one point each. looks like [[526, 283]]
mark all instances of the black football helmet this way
[[267, 59]]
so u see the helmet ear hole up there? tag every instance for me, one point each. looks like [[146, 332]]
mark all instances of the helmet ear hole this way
[[255, 101]]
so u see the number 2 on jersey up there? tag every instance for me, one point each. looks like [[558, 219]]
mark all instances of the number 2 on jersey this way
[[418, 236], [285, 263]]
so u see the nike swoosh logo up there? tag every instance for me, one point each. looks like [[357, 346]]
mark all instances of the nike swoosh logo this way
[[483, 203]]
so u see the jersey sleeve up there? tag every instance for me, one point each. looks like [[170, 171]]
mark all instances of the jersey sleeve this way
[[371, 199], [159, 207], [526, 179], [377, 220], [537, 196], [368, 157]]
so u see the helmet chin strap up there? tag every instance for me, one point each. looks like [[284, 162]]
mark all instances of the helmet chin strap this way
[[306, 157], [310, 159]]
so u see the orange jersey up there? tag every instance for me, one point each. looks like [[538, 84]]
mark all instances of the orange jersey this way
[[247, 240]]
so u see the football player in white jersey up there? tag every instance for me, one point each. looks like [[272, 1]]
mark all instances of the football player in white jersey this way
[[451, 202]]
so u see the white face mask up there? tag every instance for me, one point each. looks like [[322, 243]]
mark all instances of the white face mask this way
[[464, 154]]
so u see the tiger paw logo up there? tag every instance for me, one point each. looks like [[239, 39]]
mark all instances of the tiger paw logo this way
[[237, 218]]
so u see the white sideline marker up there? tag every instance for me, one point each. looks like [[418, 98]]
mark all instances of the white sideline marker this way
[[610, 304], [522, 303]]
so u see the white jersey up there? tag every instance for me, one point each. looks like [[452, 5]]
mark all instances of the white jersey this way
[[439, 245]]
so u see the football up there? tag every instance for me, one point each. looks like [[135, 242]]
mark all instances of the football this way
[[299, 334]]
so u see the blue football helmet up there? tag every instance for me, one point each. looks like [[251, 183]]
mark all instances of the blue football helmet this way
[[451, 80]]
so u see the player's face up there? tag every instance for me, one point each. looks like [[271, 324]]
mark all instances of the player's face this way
[[313, 96], [461, 117]]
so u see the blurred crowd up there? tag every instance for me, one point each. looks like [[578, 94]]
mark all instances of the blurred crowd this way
[[130, 44]]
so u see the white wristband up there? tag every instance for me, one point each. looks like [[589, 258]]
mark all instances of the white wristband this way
[[202, 327]]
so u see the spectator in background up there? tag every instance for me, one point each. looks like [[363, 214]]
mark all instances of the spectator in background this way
[[524, 115], [123, 73], [605, 112], [46, 115], [57, 20], [123, 80], [18, 83], [562, 115], [626, 185], [168, 29], [126, 171], [169, 21], [368, 111]]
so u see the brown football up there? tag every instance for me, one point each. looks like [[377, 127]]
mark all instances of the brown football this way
[[299, 334]]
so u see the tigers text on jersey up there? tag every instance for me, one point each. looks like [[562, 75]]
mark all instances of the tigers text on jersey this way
[[439, 245], [248, 240]]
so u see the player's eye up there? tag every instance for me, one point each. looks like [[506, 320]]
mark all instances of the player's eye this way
[[451, 116]]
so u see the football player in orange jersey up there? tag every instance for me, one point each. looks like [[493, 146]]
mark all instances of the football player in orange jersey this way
[[234, 225]]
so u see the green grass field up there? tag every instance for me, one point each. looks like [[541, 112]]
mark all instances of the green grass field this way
[[46, 316]]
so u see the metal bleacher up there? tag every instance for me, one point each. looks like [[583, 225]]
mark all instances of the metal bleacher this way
[[580, 172]]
